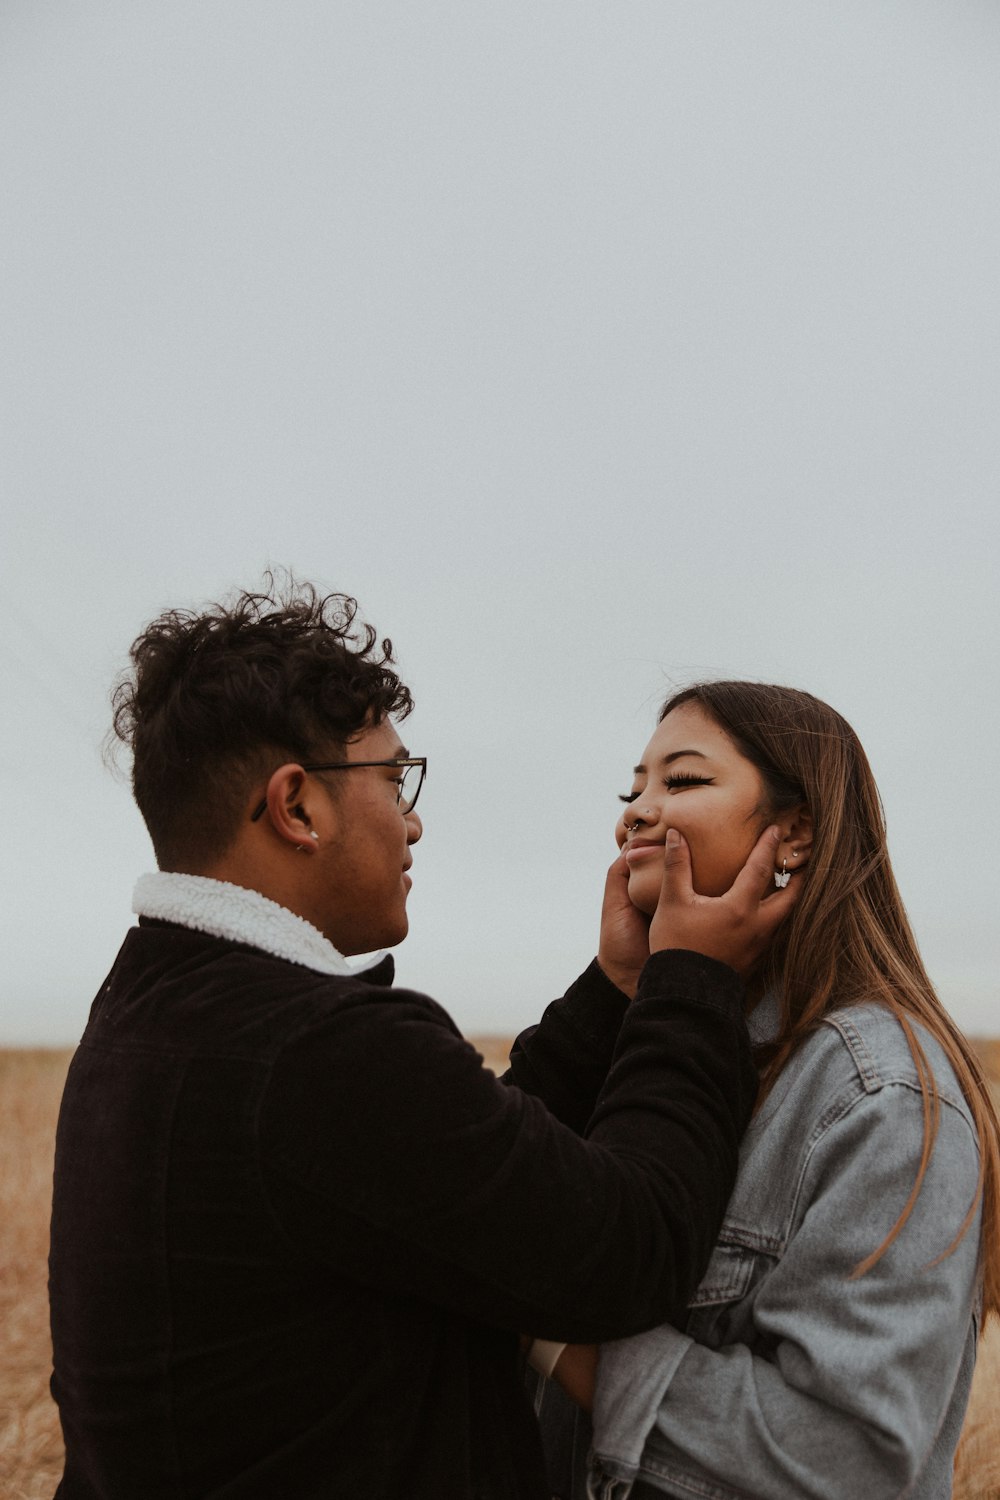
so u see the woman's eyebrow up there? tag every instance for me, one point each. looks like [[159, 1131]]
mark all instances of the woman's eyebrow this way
[[667, 760]]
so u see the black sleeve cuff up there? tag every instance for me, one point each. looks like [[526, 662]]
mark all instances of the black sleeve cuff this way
[[565, 1058], [693, 976]]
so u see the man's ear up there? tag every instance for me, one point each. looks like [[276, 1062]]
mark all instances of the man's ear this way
[[287, 807], [796, 841]]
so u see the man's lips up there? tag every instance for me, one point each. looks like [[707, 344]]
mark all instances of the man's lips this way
[[638, 847]]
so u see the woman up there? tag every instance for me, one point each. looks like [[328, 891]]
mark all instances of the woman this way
[[829, 1349]]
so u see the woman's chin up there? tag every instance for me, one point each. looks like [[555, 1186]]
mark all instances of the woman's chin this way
[[643, 894]]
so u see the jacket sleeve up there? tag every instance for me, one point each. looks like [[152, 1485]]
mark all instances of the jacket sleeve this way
[[565, 1059], [849, 1380], [389, 1152]]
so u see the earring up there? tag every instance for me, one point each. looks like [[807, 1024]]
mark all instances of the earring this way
[[314, 835], [782, 876]]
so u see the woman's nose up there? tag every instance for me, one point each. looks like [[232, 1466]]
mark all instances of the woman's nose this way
[[639, 815]]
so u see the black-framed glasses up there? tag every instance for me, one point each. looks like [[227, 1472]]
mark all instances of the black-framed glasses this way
[[413, 769]]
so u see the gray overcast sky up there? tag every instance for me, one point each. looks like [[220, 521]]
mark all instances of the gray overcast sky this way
[[594, 347]]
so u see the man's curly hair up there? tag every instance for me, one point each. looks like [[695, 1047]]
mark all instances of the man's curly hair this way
[[216, 698]]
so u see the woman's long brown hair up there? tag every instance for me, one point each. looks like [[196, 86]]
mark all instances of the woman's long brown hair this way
[[849, 940]]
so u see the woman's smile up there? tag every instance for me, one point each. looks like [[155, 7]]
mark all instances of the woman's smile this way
[[638, 847]]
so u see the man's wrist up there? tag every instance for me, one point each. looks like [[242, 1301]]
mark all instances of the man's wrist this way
[[622, 976]]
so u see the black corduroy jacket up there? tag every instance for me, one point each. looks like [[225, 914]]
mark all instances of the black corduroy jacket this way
[[297, 1226]]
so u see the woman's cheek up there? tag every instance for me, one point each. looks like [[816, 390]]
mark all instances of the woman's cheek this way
[[714, 869]]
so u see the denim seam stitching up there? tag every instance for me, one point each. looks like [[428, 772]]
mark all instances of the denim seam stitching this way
[[691, 1484], [860, 1053]]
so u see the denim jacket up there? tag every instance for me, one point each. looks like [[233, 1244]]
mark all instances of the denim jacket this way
[[792, 1378]]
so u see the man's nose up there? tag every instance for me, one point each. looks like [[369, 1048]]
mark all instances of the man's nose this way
[[414, 827]]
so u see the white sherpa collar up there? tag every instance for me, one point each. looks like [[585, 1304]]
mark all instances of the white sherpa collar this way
[[242, 916]]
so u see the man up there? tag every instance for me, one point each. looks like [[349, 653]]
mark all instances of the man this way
[[297, 1227]]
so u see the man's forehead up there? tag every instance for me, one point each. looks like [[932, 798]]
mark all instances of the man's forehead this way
[[379, 742]]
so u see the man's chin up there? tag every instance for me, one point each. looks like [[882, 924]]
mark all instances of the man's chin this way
[[390, 936], [398, 935]]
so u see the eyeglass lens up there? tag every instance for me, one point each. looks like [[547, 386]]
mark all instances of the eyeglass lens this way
[[409, 786]]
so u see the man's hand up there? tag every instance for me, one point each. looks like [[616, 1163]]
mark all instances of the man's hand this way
[[736, 928], [576, 1372], [624, 945]]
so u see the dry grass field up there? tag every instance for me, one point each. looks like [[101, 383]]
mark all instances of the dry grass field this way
[[30, 1440], [30, 1444]]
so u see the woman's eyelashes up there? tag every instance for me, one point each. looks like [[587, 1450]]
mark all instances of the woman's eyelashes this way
[[672, 783]]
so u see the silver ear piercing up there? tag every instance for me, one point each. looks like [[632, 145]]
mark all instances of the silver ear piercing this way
[[314, 835]]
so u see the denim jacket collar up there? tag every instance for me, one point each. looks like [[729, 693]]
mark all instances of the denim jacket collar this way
[[764, 1021]]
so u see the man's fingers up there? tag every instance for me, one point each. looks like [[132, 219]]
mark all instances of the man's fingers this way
[[735, 928], [616, 884], [677, 867], [757, 876], [776, 908]]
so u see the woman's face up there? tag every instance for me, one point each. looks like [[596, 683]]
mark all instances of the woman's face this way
[[691, 778]]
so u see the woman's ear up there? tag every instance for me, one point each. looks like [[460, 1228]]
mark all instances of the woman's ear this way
[[795, 845]]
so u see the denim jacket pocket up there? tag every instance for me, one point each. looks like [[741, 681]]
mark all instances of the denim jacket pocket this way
[[731, 1272]]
